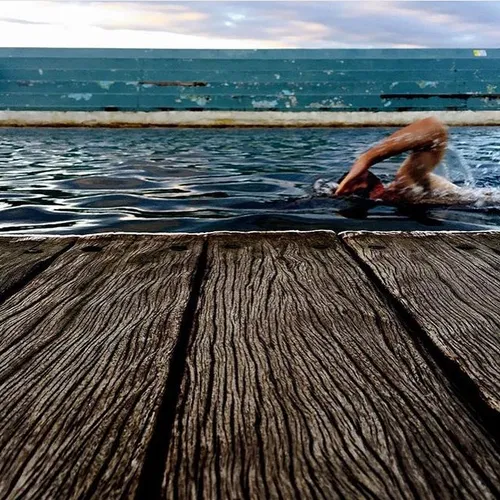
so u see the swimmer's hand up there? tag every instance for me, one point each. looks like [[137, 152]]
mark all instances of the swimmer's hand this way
[[355, 179]]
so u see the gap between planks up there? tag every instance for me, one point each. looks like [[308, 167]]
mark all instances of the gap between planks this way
[[464, 387]]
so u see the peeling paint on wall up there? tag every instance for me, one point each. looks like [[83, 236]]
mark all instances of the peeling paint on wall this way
[[78, 96], [289, 98], [264, 104], [134, 84], [201, 100], [106, 84], [336, 102], [489, 102], [172, 83], [423, 84]]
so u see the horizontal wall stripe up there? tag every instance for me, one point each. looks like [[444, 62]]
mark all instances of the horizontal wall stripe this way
[[56, 75], [197, 102], [249, 54], [228, 76], [171, 64], [269, 88]]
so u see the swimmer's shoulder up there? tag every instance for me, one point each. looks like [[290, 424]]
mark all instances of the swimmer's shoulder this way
[[440, 184], [442, 189], [446, 193]]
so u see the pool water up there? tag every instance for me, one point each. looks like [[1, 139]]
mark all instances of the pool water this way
[[82, 181]]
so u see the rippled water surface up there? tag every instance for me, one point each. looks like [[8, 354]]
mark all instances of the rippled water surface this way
[[77, 181]]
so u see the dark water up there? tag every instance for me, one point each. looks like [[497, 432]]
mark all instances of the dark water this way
[[77, 181]]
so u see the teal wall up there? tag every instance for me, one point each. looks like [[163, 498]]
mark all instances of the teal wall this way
[[284, 80]]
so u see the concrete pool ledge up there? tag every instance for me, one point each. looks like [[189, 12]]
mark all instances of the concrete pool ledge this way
[[201, 118], [260, 364]]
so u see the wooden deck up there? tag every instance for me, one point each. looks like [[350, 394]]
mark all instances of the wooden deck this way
[[273, 365]]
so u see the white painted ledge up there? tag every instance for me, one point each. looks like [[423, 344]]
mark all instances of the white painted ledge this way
[[239, 118]]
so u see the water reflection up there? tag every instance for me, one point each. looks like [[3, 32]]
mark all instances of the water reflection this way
[[154, 180]]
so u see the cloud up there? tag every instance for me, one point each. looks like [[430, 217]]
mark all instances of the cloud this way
[[110, 24], [44, 35], [246, 24], [155, 17]]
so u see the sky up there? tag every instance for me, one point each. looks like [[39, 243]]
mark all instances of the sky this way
[[249, 24]]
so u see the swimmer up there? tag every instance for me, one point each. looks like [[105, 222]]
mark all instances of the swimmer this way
[[414, 181]]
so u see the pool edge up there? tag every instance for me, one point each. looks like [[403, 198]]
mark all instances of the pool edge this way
[[221, 119]]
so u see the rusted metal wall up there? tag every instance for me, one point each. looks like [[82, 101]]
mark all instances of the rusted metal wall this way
[[243, 80]]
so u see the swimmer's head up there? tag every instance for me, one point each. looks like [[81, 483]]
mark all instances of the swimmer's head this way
[[367, 185]]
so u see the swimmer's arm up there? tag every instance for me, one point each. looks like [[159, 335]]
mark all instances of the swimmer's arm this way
[[428, 133]]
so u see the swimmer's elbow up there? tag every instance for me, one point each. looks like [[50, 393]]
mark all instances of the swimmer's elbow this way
[[437, 127]]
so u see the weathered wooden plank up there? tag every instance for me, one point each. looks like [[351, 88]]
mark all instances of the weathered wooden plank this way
[[301, 382], [84, 357], [22, 258], [450, 283]]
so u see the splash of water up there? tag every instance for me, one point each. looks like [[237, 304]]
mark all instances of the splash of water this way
[[322, 187], [453, 162]]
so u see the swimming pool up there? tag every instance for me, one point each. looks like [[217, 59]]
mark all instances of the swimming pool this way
[[81, 181]]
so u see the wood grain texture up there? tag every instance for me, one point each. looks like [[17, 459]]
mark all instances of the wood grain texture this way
[[301, 382], [450, 283], [21, 258], [85, 349]]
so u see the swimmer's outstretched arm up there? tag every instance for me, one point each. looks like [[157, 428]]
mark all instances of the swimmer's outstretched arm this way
[[427, 134]]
